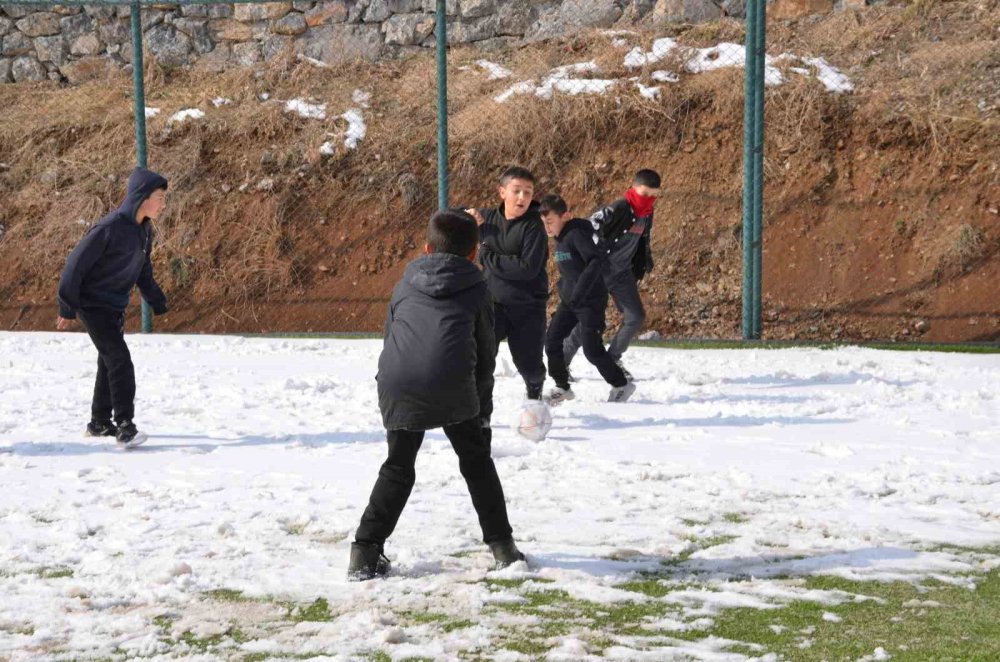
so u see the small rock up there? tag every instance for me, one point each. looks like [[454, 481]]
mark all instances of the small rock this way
[[922, 326], [266, 184], [650, 335]]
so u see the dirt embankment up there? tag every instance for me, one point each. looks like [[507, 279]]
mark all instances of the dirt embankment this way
[[882, 216]]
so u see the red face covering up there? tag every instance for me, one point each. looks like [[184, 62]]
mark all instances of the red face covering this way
[[642, 205]]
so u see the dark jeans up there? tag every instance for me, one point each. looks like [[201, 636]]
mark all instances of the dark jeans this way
[[624, 289], [471, 442], [114, 388], [524, 329], [590, 321]]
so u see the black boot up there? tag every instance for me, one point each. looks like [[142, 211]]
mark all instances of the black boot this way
[[505, 553], [367, 562], [128, 435], [101, 429], [535, 391]]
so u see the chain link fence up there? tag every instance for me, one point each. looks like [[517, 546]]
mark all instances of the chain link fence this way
[[300, 139]]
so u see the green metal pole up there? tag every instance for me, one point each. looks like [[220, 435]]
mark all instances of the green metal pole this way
[[442, 104], [758, 185], [749, 92], [139, 98]]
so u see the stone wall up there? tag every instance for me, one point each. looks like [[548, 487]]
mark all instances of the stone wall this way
[[74, 43]]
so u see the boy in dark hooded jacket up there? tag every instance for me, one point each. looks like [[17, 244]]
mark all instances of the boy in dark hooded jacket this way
[[626, 226], [97, 281], [582, 259], [436, 370]]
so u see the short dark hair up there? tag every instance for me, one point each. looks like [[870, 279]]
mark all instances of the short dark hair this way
[[452, 231], [554, 203], [647, 177], [516, 172]]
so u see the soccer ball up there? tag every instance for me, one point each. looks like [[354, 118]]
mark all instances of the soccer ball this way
[[534, 420]]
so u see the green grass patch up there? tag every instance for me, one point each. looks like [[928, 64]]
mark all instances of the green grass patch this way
[[317, 611], [966, 348], [228, 595], [735, 518], [55, 572]]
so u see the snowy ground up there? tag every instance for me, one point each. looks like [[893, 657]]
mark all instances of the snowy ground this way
[[758, 466]]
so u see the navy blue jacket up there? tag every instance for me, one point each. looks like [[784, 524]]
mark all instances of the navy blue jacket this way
[[113, 257], [628, 238], [582, 259], [436, 366], [513, 253]]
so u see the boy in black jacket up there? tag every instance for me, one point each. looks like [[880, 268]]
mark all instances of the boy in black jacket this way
[[111, 259], [626, 226], [582, 261], [513, 251], [436, 370]]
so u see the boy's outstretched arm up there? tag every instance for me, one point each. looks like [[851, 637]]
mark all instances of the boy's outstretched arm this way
[[78, 264], [151, 291], [600, 218], [596, 258], [486, 350], [525, 266]]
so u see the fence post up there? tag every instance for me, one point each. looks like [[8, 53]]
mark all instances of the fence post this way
[[758, 184], [139, 98], [442, 104], [749, 165]]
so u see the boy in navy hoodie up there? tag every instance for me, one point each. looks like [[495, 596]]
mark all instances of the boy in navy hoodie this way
[[513, 252], [436, 371], [582, 259], [111, 259], [626, 226]]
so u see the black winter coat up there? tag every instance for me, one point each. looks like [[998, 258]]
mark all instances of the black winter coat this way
[[628, 238], [514, 253], [436, 366], [582, 259]]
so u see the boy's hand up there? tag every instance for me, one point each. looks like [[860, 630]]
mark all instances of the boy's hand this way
[[63, 324], [474, 213]]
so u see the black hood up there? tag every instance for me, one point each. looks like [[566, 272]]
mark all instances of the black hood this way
[[141, 184], [442, 274]]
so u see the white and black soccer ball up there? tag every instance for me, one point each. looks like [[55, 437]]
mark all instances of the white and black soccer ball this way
[[534, 420]]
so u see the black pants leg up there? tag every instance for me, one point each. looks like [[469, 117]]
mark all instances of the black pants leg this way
[[114, 388], [625, 291], [476, 465], [392, 488], [591, 328], [526, 338], [562, 325]]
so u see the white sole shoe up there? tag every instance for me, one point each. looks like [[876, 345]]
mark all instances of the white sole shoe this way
[[621, 393]]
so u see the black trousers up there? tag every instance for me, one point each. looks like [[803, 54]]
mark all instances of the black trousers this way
[[624, 291], [590, 322], [114, 389], [524, 329], [471, 442]]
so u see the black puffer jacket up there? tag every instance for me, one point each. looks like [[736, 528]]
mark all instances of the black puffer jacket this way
[[113, 257], [628, 238], [436, 366]]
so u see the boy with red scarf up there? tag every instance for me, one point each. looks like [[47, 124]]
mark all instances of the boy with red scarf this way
[[625, 225]]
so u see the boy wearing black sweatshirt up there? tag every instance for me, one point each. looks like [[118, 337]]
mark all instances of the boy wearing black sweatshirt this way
[[513, 252], [97, 281], [626, 226], [582, 260], [436, 371]]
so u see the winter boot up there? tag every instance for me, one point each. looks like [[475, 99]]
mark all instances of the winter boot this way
[[621, 393], [129, 436], [101, 429], [367, 562], [505, 553]]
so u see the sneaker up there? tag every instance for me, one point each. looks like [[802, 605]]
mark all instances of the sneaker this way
[[559, 395], [535, 392], [101, 429], [367, 562], [621, 393], [628, 375], [505, 553], [128, 435]]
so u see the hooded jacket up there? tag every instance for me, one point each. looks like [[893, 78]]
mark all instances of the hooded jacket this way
[[436, 366], [113, 257], [513, 253], [628, 238], [582, 259]]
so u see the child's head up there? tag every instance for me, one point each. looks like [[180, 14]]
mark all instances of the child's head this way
[[555, 214], [647, 183], [454, 232], [517, 187]]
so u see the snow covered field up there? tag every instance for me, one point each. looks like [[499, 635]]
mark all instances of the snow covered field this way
[[757, 466]]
